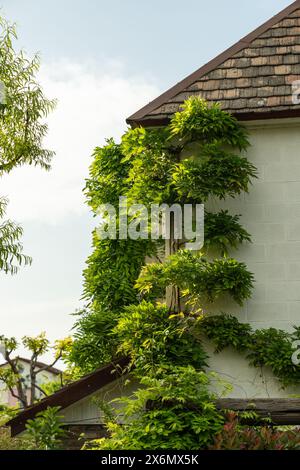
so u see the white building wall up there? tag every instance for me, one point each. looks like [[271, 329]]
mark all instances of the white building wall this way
[[88, 411], [271, 213]]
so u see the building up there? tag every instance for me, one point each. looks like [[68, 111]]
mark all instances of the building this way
[[49, 375], [257, 80]]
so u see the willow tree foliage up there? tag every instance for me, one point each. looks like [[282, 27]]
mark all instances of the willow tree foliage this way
[[23, 108]]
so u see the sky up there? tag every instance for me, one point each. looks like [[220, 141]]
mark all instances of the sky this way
[[102, 61]]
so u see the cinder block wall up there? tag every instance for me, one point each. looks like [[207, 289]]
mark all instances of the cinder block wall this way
[[271, 213]]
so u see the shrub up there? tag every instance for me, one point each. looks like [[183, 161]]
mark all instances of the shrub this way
[[237, 437], [46, 429], [15, 443]]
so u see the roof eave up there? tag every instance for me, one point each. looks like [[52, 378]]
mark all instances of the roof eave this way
[[241, 116]]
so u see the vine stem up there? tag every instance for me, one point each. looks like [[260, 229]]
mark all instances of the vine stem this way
[[172, 246]]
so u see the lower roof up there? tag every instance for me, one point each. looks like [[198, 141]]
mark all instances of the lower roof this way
[[70, 394]]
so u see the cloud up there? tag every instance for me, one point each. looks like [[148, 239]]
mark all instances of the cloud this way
[[93, 102], [33, 317]]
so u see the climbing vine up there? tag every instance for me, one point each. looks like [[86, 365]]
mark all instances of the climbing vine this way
[[196, 158], [263, 348], [200, 281], [112, 268]]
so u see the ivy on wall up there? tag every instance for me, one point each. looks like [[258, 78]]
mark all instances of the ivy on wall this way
[[199, 156], [269, 347], [190, 160]]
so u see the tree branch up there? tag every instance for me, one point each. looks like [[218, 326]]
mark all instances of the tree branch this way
[[15, 161], [32, 373], [42, 369], [12, 363], [41, 390], [5, 166]]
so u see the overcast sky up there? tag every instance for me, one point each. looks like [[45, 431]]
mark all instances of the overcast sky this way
[[102, 60]]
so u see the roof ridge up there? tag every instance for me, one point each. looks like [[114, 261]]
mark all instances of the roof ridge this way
[[211, 65], [38, 363]]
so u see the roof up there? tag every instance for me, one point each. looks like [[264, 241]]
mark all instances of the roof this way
[[252, 79], [39, 365], [70, 394]]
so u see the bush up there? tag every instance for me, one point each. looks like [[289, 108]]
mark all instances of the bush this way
[[236, 437], [15, 443], [46, 430]]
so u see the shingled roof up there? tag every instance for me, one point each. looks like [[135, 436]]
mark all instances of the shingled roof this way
[[252, 79]]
